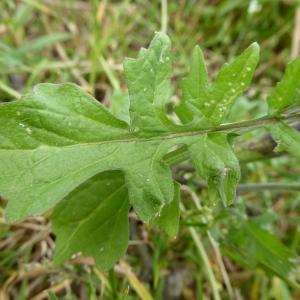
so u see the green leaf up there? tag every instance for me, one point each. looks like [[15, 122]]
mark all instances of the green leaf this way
[[55, 141], [57, 138], [197, 82], [60, 147], [284, 93], [93, 219], [48, 146], [287, 138], [119, 106], [168, 219], [194, 86], [210, 104], [148, 81], [217, 163], [254, 247]]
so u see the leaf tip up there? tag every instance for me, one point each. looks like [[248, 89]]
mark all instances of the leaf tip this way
[[254, 47], [161, 35], [197, 52], [160, 38]]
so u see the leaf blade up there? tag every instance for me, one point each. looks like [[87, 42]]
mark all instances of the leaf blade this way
[[168, 219], [194, 86], [254, 247], [215, 160], [285, 91], [148, 81], [287, 138], [215, 101], [100, 227]]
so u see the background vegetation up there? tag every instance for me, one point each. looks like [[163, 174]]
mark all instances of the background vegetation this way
[[85, 42]]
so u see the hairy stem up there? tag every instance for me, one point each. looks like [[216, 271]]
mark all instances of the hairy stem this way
[[246, 152]]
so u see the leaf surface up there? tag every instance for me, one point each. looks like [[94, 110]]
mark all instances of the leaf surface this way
[[218, 164], [287, 138], [58, 137], [285, 92], [194, 86], [168, 219], [254, 247], [148, 81], [209, 104], [119, 106], [93, 220], [55, 142]]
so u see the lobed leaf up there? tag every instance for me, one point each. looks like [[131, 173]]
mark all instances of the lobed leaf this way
[[210, 104], [148, 81], [61, 148], [57, 138]]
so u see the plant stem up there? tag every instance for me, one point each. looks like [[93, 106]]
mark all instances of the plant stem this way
[[214, 244], [9, 90], [109, 73], [164, 15], [181, 154], [206, 263]]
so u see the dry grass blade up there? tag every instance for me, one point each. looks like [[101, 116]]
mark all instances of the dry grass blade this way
[[136, 284]]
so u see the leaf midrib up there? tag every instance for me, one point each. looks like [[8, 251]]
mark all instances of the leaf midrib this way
[[266, 120]]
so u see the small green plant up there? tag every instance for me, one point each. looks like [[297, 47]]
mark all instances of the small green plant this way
[[61, 149]]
